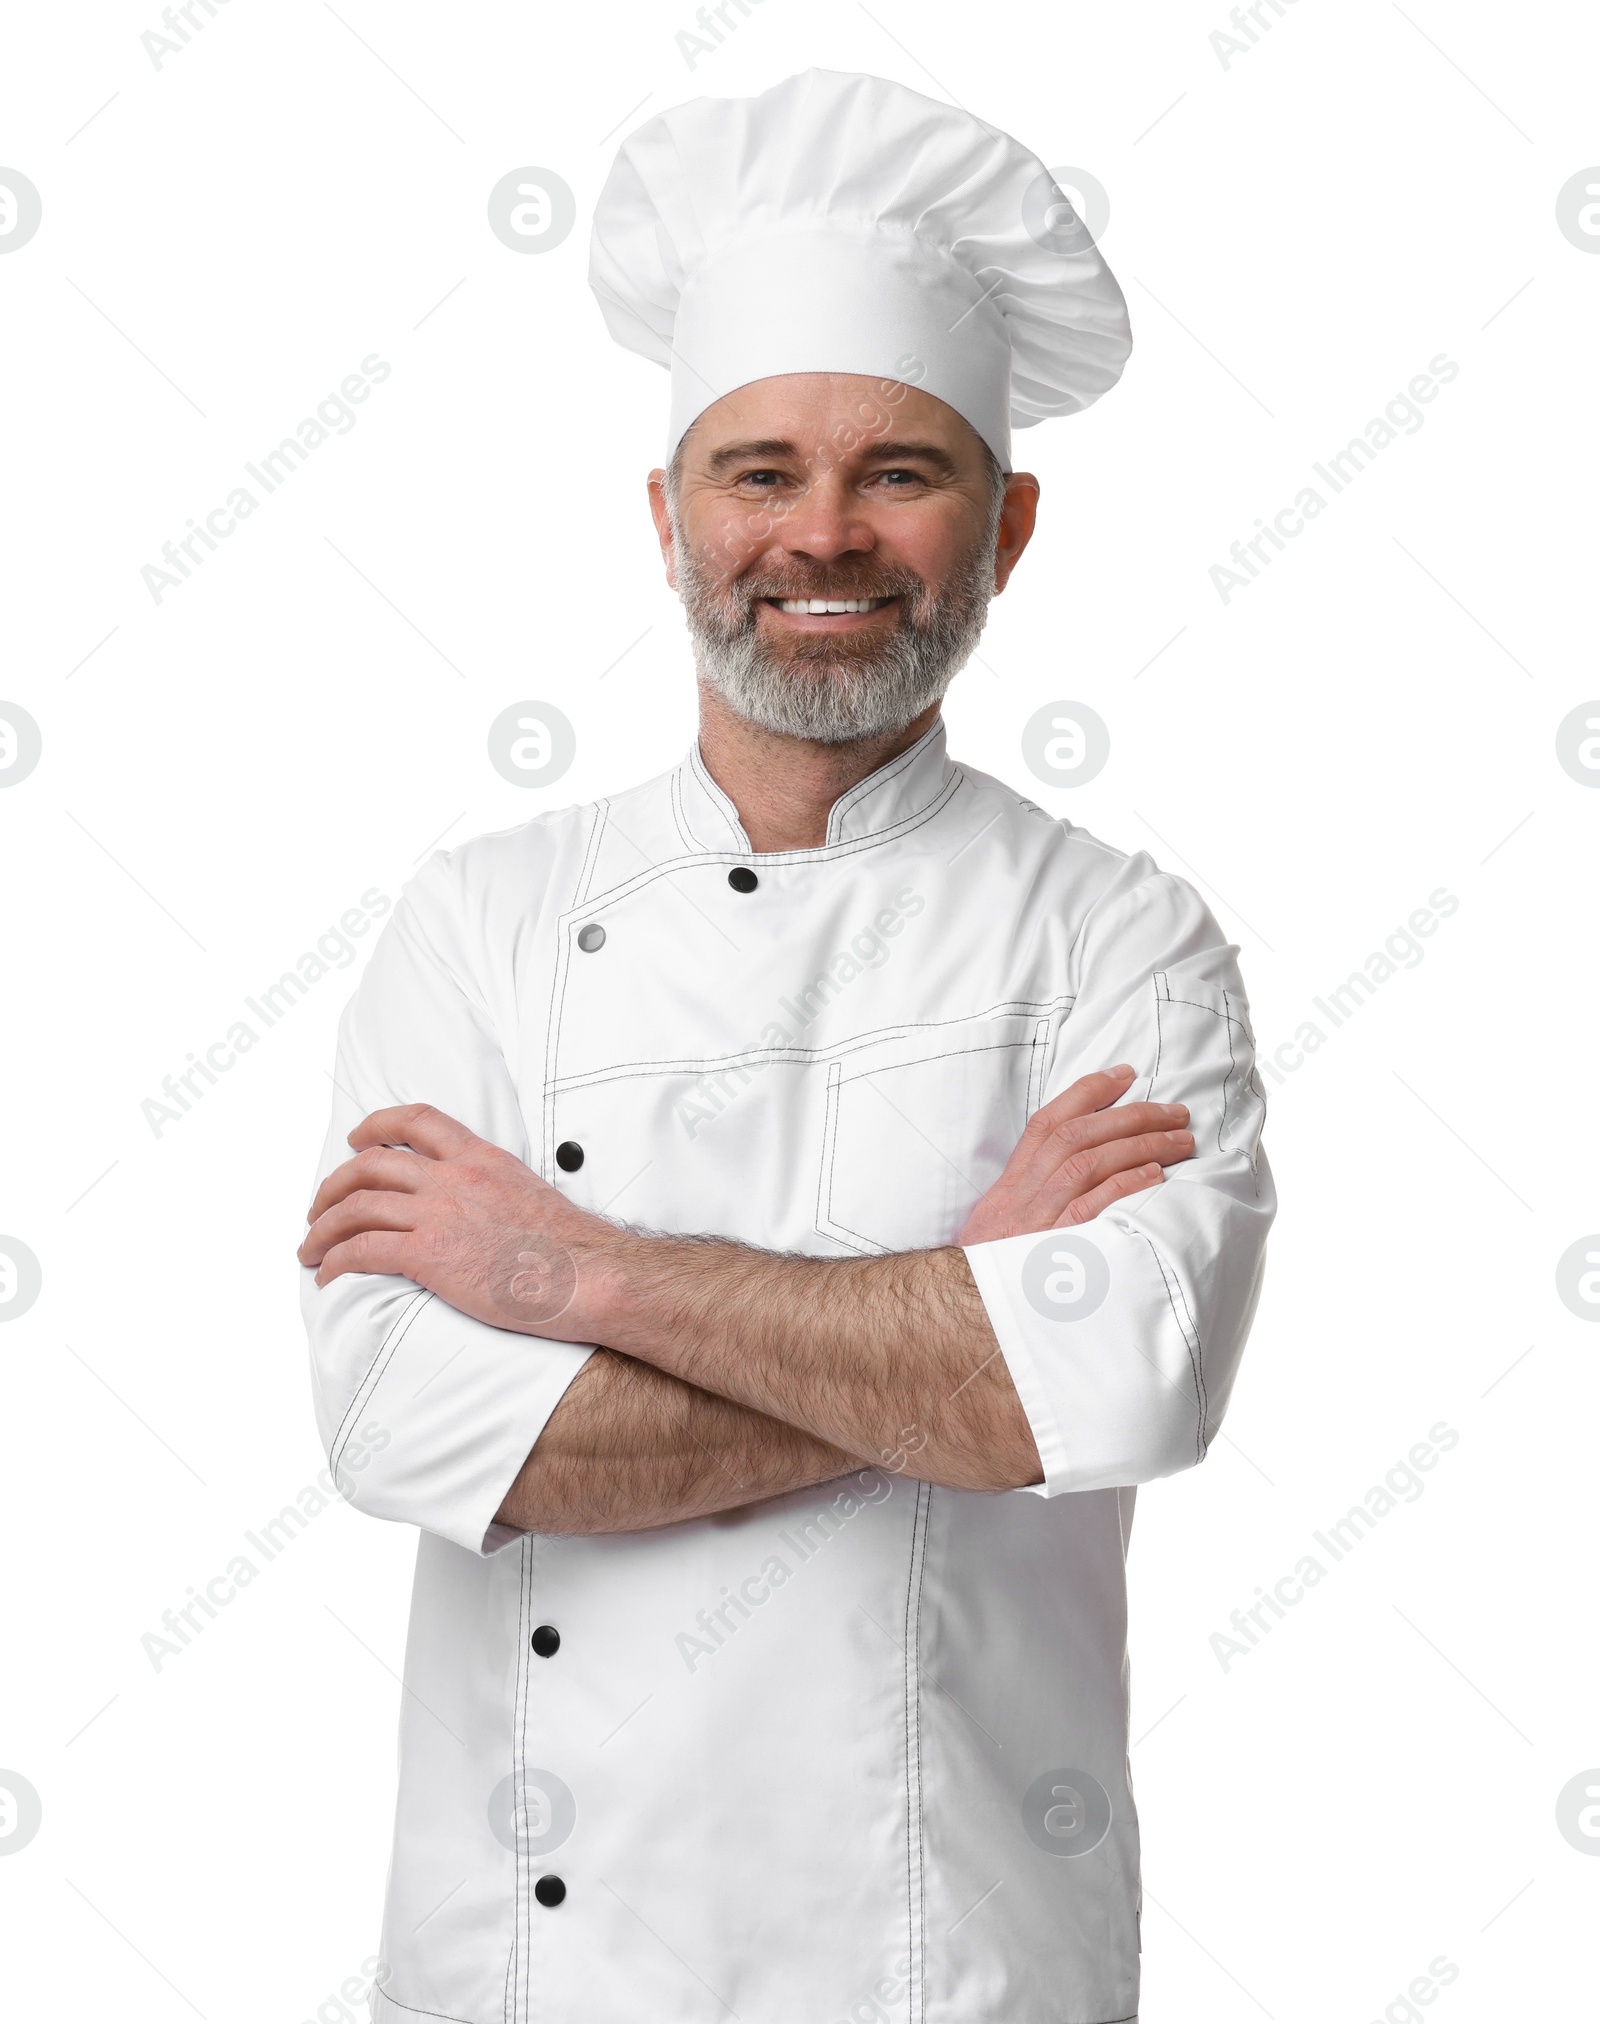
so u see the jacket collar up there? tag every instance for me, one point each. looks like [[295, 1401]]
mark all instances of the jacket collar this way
[[901, 788]]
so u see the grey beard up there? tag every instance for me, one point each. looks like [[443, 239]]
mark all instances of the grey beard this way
[[818, 691]]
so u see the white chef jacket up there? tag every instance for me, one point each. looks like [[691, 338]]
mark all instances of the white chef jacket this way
[[859, 1751]]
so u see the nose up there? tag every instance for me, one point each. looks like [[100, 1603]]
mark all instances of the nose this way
[[826, 523]]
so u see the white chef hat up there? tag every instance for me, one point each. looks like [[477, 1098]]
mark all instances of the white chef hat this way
[[841, 223]]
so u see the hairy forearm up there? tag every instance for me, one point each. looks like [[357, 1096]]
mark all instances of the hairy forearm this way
[[891, 1359], [888, 1358], [630, 1447]]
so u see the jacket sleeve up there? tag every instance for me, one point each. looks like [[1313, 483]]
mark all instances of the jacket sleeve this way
[[1123, 1335], [426, 1415]]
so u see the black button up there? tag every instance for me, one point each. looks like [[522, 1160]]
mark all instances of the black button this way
[[550, 1890], [591, 938], [546, 1640], [743, 879], [569, 1156]]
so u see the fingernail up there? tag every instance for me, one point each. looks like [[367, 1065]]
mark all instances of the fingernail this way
[[1122, 1068]]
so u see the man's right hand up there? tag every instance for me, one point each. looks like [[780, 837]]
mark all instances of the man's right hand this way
[[1080, 1153]]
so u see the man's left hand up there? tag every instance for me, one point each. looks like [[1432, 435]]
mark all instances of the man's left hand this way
[[428, 1200]]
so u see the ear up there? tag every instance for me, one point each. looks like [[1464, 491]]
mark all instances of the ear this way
[[1018, 513], [657, 487]]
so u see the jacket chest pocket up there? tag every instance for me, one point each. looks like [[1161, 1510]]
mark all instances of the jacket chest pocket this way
[[918, 1124]]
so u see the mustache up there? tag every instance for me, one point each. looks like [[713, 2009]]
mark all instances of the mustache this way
[[828, 583]]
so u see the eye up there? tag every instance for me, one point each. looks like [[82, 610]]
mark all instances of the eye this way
[[898, 480], [763, 481]]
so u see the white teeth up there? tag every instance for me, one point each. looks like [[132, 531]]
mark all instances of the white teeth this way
[[806, 605]]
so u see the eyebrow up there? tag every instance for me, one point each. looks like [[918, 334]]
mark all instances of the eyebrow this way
[[908, 452], [775, 448], [740, 453]]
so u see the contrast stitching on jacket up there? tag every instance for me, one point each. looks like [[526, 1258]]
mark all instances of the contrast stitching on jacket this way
[[513, 1953], [680, 814], [826, 854], [874, 781], [558, 979], [558, 991], [936, 1060], [1252, 1083], [922, 1811], [1191, 1342], [723, 803], [1158, 980], [1036, 1067], [591, 855], [826, 1221], [383, 1356], [1200, 1005], [1231, 1020], [1193, 1335], [916, 1914], [708, 1064], [441, 2016], [905, 1693], [522, 1943]]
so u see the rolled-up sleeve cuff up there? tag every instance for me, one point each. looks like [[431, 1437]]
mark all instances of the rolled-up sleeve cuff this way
[[445, 1419], [1095, 1331], [996, 1271]]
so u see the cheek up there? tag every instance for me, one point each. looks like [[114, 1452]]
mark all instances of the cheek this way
[[733, 538], [927, 541]]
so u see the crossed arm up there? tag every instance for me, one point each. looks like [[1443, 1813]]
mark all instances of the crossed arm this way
[[728, 1374]]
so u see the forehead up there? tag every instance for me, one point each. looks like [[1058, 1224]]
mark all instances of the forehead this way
[[837, 413]]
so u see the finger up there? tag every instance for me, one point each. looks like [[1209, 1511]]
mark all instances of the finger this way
[[1122, 1121], [1052, 1128], [1086, 1170], [367, 1209], [417, 1125], [1038, 1161], [1117, 1189], [1088, 1093], [393, 1167], [368, 1251]]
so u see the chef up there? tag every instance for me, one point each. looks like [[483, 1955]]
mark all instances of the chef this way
[[774, 1217]]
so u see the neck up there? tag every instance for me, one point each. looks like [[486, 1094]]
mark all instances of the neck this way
[[784, 788]]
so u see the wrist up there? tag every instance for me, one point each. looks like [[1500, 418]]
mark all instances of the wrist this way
[[607, 1307]]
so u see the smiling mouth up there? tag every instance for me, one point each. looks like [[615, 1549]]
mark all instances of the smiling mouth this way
[[831, 607]]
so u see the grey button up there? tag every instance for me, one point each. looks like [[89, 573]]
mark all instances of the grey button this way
[[569, 1156], [591, 938], [743, 879], [550, 1890]]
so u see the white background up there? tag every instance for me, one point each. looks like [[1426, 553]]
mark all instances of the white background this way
[[1299, 232]]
